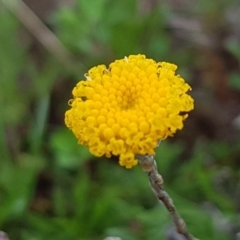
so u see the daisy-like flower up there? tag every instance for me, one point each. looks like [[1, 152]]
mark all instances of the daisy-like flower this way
[[126, 109]]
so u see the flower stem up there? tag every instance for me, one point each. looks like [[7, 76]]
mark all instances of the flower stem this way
[[149, 165]]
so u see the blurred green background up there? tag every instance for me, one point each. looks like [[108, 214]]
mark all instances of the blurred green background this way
[[52, 188]]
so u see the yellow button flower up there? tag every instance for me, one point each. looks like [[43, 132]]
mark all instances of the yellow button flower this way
[[126, 109]]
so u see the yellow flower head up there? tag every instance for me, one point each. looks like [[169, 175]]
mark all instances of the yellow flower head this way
[[124, 110]]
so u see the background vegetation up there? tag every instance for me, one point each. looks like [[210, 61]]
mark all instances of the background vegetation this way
[[52, 188]]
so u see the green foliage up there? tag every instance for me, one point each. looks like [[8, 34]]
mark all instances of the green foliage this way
[[11, 61], [16, 184], [234, 80], [53, 188], [122, 31], [67, 152]]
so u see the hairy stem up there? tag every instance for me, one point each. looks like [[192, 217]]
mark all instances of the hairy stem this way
[[149, 165]]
